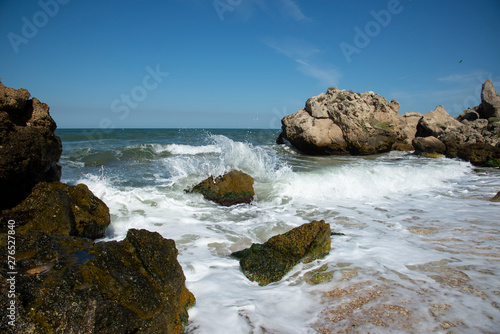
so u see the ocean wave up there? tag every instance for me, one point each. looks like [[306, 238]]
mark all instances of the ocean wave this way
[[137, 153], [371, 179], [409, 224]]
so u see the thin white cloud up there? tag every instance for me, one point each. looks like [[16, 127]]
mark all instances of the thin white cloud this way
[[303, 53], [466, 77], [292, 10], [293, 48], [326, 75], [287, 9], [455, 92]]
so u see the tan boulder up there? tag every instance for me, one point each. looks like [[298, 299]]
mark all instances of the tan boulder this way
[[490, 101], [429, 145], [340, 122], [436, 123]]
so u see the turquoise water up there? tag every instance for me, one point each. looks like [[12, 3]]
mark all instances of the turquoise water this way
[[420, 231]]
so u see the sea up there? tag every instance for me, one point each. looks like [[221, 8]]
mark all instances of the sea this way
[[416, 246]]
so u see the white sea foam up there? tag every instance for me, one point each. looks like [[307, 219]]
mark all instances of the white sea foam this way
[[370, 179], [189, 149], [421, 229]]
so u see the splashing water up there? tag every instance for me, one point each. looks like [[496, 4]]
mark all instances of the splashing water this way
[[420, 250]]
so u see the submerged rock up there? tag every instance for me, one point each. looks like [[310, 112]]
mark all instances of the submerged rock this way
[[56, 208], [232, 188], [73, 285], [344, 122], [28, 146], [269, 262]]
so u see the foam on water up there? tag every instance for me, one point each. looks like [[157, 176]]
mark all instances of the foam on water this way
[[419, 235], [370, 179]]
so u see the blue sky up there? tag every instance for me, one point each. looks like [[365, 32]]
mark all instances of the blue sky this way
[[242, 63]]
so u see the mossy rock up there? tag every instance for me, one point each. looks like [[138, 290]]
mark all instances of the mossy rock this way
[[382, 125], [232, 188], [73, 285], [269, 262], [479, 154], [340, 97], [496, 198], [57, 208], [492, 162], [319, 275]]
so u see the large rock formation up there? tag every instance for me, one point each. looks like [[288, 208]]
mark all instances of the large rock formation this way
[[269, 262], [73, 285], [28, 146], [63, 282], [473, 136], [342, 122], [232, 188]]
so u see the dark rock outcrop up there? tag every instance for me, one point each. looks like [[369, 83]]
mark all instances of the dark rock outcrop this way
[[64, 282], [344, 122], [496, 198], [232, 188], [73, 285], [58, 209], [269, 262], [28, 146]]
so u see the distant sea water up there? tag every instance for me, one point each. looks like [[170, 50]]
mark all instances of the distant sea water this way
[[420, 251]]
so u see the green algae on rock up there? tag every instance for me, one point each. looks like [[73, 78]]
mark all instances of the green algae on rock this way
[[232, 188], [57, 208], [64, 282], [269, 262], [73, 285]]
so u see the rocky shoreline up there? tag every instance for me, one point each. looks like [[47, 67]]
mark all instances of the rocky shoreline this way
[[344, 122], [58, 279]]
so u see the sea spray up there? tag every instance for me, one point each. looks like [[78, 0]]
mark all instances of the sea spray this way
[[419, 234]]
